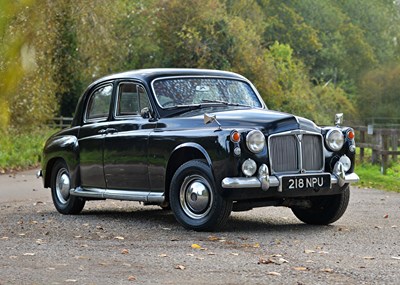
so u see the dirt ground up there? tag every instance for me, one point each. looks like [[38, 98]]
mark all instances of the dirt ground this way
[[114, 242]]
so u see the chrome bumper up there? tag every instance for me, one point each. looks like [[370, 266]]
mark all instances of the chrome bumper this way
[[275, 181]]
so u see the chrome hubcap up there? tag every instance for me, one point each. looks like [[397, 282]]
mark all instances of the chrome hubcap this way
[[196, 196], [62, 185]]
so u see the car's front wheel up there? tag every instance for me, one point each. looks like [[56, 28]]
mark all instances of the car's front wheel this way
[[194, 200], [60, 190], [324, 210]]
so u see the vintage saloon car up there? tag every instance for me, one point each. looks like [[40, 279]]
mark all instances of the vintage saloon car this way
[[201, 142]]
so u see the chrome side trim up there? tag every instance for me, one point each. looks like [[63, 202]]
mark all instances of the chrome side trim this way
[[126, 195], [141, 196], [89, 193], [156, 197]]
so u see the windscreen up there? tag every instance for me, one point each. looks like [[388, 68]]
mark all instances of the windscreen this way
[[172, 92]]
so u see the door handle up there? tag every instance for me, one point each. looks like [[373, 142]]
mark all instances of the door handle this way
[[111, 130], [107, 131]]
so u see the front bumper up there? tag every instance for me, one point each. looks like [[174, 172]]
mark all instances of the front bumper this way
[[266, 181], [275, 181]]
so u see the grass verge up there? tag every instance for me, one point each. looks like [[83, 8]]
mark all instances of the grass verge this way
[[22, 150], [371, 177]]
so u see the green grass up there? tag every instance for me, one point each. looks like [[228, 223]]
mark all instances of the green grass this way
[[21, 151], [371, 177]]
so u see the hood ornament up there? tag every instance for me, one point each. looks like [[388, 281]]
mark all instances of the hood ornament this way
[[208, 118]]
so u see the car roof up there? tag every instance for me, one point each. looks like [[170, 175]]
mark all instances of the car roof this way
[[148, 75]]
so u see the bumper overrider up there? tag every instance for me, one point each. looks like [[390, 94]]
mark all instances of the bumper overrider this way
[[265, 181]]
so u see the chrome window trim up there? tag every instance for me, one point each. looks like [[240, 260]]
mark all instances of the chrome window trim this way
[[244, 80], [117, 96], [86, 120], [299, 151]]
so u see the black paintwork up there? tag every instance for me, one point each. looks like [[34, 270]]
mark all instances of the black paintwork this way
[[142, 154]]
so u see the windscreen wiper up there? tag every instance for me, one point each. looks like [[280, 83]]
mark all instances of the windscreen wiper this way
[[223, 102], [180, 109]]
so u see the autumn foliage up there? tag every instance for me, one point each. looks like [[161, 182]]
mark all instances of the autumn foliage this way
[[311, 57]]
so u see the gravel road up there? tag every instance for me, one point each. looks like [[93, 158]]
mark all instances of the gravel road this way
[[114, 242]]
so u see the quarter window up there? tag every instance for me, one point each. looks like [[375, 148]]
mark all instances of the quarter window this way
[[132, 98], [99, 103]]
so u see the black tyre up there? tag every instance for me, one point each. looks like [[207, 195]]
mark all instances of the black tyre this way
[[60, 187], [194, 200], [324, 209]]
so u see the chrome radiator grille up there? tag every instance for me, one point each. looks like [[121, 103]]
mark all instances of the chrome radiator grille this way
[[295, 152]]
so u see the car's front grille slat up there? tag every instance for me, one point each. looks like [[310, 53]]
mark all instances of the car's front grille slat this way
[[296, 152], [311, 147], [284, 153]]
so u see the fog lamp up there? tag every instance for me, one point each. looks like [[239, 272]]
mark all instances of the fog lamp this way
[[249, 167], [346, 162]]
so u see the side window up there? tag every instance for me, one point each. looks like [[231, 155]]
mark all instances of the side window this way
[[99, 103], [132, 98]]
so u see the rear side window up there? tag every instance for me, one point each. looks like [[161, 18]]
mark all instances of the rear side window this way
[[132, 98], [99, 103]]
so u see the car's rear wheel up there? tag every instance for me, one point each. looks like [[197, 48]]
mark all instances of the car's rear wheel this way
[[194, 200], [60, 190], [324, 209]]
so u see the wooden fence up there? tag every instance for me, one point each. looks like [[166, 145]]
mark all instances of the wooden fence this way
[[384, 143], [60, 122]]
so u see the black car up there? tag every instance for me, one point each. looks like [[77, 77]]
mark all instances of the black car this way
[[201, 142]]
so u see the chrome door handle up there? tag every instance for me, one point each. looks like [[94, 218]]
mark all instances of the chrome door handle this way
[[107, 131], [111, 130]]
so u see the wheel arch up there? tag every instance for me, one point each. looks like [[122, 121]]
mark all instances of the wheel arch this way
[[181, 154], [62, 148]]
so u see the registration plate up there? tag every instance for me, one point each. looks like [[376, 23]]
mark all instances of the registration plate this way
[[306, 182]]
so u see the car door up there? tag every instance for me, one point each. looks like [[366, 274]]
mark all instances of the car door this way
[[126, 148], [92, 134]]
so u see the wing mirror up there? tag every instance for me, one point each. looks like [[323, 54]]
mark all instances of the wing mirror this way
[[338, 119], [145, 113], [208, 118]]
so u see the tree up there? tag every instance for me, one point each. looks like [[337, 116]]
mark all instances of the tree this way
[[65, 57], [380, 89], [13, 61], [27, 99]]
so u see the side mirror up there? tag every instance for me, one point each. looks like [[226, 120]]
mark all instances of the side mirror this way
[[208, 118], [338, 119], [145, 113]]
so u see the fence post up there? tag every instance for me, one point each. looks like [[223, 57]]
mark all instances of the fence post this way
[[395, 144], [362, 140], [384, 153], [376, 151]]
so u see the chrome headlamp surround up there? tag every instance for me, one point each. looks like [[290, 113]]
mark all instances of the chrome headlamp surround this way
[[334, 139], [255, 141]]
